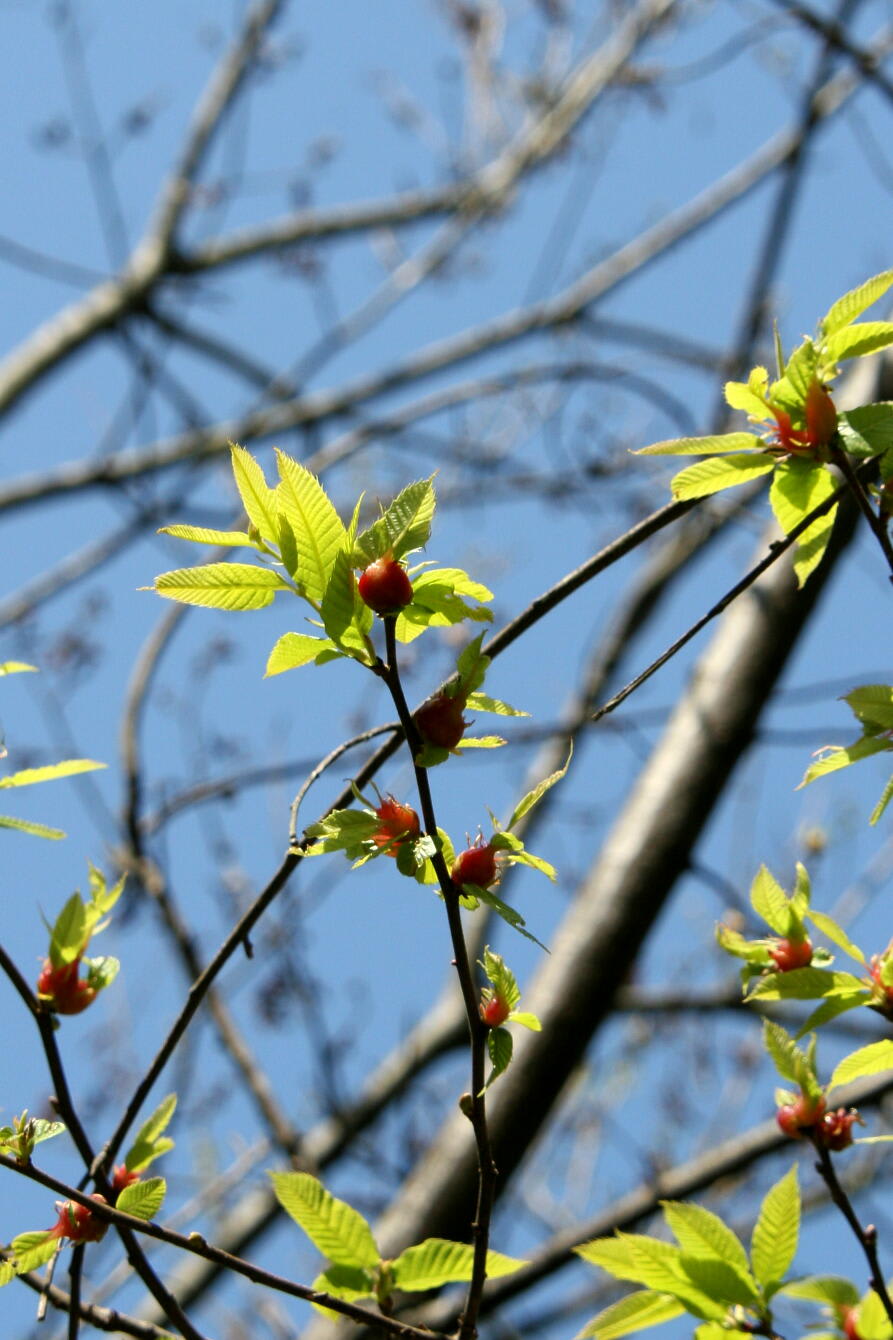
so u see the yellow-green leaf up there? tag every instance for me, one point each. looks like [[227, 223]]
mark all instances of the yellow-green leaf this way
[[841, 756], [719, 472], [855, 341], [634, 1313], [69, 767], [143, 1199], [811, 545], [339, 1231], [739, 395], [797, 488], [769, 900], [222, 586], [258, 499], [202, 535], [293, 650], [777, 1230], [15, 667], [702, 446], [854, 303], [27, 826], [699, 1232], [318, 530], [437, 1261], [871, 1060]]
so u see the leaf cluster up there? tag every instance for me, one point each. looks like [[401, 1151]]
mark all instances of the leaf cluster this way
[[804, 429], [872, 706], [504, 988], [357, 1270], [707, 1272]]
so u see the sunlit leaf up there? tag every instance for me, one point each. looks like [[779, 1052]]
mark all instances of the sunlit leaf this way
[[223, 586], [634, 1313], [854, 303], [777, 1230], [854, 341], [202, 535], [318, 530], [702, 446], [334, 1227], [142, 1199], [437, 1261], [258, 499], [293, 650], [720, 472], [871, 1060], [27, 826]]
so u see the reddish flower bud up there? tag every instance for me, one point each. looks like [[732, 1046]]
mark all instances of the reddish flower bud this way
[[494, 1011], [399, 824], [77, 1222], [800, 1116], [836, 1129], [476, 865], [883, 992], [385, 586], [821, 415], [440, 720], [122, 1177], [849, 1321], [788, 954], [61, 989]]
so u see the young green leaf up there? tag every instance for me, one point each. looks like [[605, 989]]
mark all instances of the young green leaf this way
[[720, 1281], [222, 586], [871, 1060], [404, 526], [293, 650], [258, 499], [15, 667], [837, 935], [318, 530], [334, 1227], [718, 473], [500, 1046], [346, 618], [868, 430], [805, 984], [150, 1142], [482, 702], [202, 535], [769, 900], [777, 1230], [69, 933], [143, 1199], [348, 1282], [831, 1289], [437, 1261], [636, 1312], [702, 446], [533, 797], [701, 1233], [856, 341], [51, 772], [33, 1250], [501, 977], [508, 914], [854, 303], [841, 756], [28, 826]]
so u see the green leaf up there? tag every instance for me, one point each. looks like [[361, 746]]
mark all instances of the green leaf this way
[[788, 1059], [702, 446], [870, 1060], [222, 586], [855, 341], [334, 1227], [201, 535], [634, 1313], [873, 1321], [805, 984], [15, 667], [769, 900], [831, 1009], [348, 1282], [32, 1250], [148, 1144], [143, 1199], [70, 767], [403, 526], [293, 650], [533, 797], [799, 374], [720, 472], [318, 530], [663, 1270], [508, 914], [481, 702], [868, 430], [777, 1230], [436, 1261], [499, 1048], [741, 395], [481, 742], [719, 1280], [501, 977], [520, 856], [886, 797], [811, 545], [526, 1020], [344, 614], [872, 704], [841, 756], [837, 935], [258, 499], [26, 826], [69, 932], [798, 487], [701, 1233], [854, 303], [831, 1289]]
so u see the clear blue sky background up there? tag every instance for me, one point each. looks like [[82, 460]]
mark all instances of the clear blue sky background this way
[[378, 947]]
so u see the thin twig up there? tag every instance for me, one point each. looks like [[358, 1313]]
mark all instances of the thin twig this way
[[866, 1237]]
